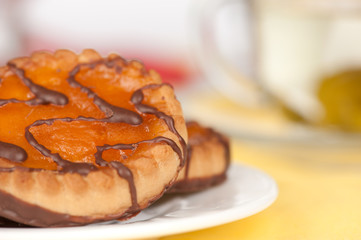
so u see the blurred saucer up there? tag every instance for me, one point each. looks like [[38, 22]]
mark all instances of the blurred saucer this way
[[257, 124]]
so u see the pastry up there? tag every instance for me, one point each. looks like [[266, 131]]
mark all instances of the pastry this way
[[207, 160], [85, 139]]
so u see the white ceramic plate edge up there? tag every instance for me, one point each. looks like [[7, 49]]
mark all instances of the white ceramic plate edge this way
[[162, 226]]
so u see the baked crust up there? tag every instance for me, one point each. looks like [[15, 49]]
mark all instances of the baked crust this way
[[207, 161], [124, 164]]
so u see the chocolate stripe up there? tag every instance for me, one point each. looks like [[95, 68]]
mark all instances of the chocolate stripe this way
[[42, 95], [137, 99], [114, 113], [12, 152]]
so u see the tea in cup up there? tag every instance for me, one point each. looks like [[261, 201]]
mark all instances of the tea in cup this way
[[304, 54]]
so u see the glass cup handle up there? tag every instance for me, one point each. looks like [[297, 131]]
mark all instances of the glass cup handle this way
[[219, 71]]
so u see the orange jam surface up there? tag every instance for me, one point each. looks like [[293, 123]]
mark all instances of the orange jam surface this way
[[77, 140]]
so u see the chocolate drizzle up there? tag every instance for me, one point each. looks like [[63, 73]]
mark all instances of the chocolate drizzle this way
[[42, 95], [113, 114], [12, 152], [29, 214], [188, 161], [137, 99]]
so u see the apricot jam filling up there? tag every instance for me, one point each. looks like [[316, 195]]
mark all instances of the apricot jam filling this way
[[89, 115]]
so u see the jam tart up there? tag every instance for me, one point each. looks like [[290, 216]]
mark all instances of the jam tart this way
[[207, 160], [85, 139]]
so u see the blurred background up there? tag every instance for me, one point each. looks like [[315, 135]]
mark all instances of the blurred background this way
[[263, 69], [154, 31]]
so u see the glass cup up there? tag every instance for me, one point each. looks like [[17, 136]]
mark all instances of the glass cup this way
[[304, 54]]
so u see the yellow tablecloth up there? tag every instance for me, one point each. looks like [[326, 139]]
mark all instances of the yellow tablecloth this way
[[319, 195]]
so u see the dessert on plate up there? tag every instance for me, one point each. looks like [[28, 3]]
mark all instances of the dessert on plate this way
[[85, 139], [207, 161]]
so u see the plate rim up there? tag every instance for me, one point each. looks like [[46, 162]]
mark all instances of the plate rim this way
[[149, 230]]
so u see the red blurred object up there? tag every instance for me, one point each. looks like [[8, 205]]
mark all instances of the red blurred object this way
[[154, 32], [174, 71]]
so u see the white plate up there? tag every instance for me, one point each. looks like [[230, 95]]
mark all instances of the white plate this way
[[246, 191]]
